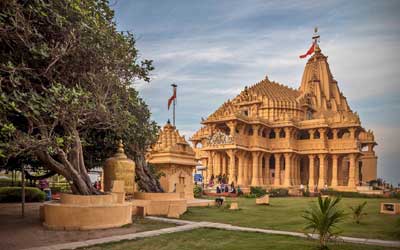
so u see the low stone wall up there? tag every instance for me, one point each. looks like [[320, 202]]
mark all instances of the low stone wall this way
[[160, 204], [86, 212], [156, 196]]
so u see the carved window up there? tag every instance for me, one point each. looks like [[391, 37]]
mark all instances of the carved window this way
[[330, 134], [272, 134], [264, 133], [317, 135], [309, 115], [246, 112], [251, 131], [282, 133], [304, 135]]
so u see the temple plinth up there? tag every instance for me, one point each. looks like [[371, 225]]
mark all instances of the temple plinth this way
[[175, 159], [275, 136]]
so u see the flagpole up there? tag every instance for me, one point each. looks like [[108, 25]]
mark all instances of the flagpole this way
[[174, 86]]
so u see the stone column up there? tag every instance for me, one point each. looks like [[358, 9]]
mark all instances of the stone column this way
[[240, 169], [217, 164], [210, 167], [266, 172], [277, 178], [352, 171], [311, 174], [322, 171], [224, 164], [334, 182], [335, 133], [232, 163], [288, 166], [255, 178], [246, 170]]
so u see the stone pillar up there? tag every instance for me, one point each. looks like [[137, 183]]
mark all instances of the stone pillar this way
[[266, 172], [210, 167], [334, 182], [206, 175], [240, 169], [246, 171], [277, 178], [288, 169], [335, 133], [322, 171], [352, 171], [217, 164], [311, 175], [255, 178], [232, 163], [224, 164]]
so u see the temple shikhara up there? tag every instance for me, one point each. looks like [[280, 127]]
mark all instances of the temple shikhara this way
[[275, 136]]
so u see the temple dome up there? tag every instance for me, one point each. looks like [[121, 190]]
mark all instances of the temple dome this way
[[171, 147]]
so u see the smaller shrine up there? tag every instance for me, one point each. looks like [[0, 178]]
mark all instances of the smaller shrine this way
[[119, 168], [175, 159]]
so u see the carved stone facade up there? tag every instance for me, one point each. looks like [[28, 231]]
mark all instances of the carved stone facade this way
[[273, 135], [174, 157]]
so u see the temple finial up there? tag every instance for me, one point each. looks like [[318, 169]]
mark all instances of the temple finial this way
[[316, 37]]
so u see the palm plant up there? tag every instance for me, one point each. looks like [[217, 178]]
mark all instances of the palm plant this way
[[323, 219], [358, 212]]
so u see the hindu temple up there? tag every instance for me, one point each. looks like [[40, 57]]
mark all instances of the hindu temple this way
[[174, 158], [275, 136]]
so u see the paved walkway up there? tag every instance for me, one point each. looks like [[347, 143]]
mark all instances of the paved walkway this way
[[184, 225]]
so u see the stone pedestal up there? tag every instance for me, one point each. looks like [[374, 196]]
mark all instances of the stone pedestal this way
[[87, 212]]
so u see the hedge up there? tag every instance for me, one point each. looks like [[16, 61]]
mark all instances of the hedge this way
[[279, 192], [13, 194], [349, 194]]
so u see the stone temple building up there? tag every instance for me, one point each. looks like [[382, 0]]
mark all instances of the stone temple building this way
[[175, 159], [274, 136]]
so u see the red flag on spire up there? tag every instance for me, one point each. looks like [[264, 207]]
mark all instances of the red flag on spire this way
[[309, 52], [173, 97]]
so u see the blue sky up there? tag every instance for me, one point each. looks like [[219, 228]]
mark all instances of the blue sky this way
[[212, 49]]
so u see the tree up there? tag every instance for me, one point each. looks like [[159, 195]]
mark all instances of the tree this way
[[66, 73], [358, 212], [323, 219]]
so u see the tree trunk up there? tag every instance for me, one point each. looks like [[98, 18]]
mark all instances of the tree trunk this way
[[145, 179], [71, 166]]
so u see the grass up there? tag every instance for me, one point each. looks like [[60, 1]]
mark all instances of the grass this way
[[141, 224], [213, 239], [285, 214]]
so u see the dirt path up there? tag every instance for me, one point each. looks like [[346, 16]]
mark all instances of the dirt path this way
[[20, 233]]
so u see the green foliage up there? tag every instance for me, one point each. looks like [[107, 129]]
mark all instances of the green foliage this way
[[306, 192], [348, 194], [13, 194], [197, 191], [257, 191], [323, 219], [279, 192], [9, 182], [67, 79], [358, 212]]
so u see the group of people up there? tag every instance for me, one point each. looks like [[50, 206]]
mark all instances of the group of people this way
[[219, 179]]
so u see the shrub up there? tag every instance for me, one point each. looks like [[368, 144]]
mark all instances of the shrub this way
[[13, 194], [349, 194], [8, 183], [358, 212], [197, 191], [323, 218], [257, 191], [279, 192]]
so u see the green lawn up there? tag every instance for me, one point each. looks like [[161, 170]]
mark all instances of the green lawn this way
[[285, 214], [213, 239]]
